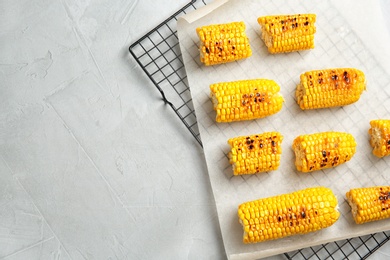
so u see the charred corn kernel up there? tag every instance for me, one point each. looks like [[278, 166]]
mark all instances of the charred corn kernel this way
[[286, 33], [221, 43], [330, 88], [245, 99], [369, 204], [323, 150], [255, 153], [380, 137], [284, 215]]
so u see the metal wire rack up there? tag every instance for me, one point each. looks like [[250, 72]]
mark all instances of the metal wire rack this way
[[158, 54]]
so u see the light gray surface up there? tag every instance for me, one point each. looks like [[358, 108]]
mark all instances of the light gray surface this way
[[93, 165]]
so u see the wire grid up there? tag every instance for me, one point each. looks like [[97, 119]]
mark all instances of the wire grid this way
[[158, 54], [354, 248]]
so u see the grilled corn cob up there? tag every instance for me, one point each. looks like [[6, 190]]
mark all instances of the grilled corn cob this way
[[369, 204], [255, 153], [299, 212], [245, 99], [323, 150], [286, 33], [330, 88], [380, 137], [221, 43]]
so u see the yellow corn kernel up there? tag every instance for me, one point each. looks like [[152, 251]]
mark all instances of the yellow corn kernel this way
[[380, 137], [323, 150], [330, 88], [287, 33], [255, 153], [246, 99], [221, 43], [369, 204], [288, 214]]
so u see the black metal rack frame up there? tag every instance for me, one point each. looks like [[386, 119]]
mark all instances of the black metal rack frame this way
[[158, 54]]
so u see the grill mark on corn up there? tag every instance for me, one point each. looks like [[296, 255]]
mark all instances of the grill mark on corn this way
[[323, 150], [369, 204], [255, 153], [248, 100], [286, 33], [329, 88], [384, 198], [288, 214], [222, 41], [245, 99]]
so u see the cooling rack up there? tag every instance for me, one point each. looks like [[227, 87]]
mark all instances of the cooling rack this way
[[158, 54]]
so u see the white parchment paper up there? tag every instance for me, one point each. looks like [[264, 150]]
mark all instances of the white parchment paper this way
[[336, 46]]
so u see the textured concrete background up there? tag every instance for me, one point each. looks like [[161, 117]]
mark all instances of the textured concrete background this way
[[93, 165]]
